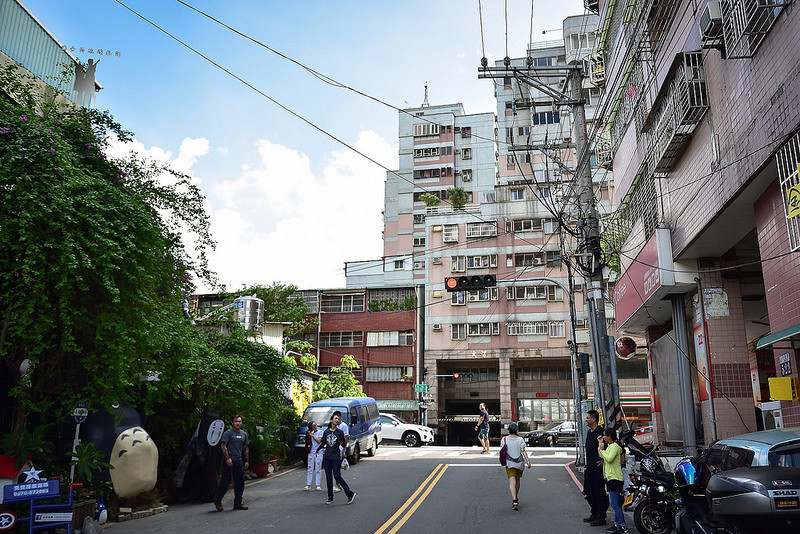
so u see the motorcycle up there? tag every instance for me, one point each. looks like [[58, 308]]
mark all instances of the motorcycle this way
[[746, 500], [653, 487]]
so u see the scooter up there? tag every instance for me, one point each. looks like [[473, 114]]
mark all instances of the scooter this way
[[746, 500]]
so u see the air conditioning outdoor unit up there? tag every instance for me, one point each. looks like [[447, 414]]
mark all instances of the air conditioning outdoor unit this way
[[711, 22], [537, 261], [437, 327]]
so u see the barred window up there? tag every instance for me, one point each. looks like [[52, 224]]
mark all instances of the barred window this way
[[527, 328], [342, 303], [450, 233], [483, 329], [482, 229], [341, 339]]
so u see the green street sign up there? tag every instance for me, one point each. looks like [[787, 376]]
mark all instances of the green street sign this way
[[421, 388]]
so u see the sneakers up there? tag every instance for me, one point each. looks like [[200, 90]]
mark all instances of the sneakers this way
[[515, 504], [306, 488], [218, 506], [319, 488], [336, 490], [617, 529], [329, 501], [351, 497]]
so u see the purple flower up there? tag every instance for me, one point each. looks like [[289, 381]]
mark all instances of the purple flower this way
[[24, 118], [52, 150], [88, 146], [51, 140]]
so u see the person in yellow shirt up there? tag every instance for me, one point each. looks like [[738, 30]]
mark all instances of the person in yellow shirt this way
[[610, 450]]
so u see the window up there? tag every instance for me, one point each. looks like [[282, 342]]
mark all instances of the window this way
[[419, 218], [526, 292], [546, 117], [482, 295], [450, 233], [466, 132], [524, 130], [426, 129], [524, 158], [466, 175], [550, 227], [555, 294], [387, 374], [517, 194], [457, 298], [420, 174], [447, 151], [483, 329], [342, 303], [526, 225], [428, 152], [556, 329], [419, 241], [466, 153], [482, 262], [482, 229], [458, 331], [392, 299], [510, 160], [527, 260], [341, 339], [554, 258], [527, 328], [399, 265], [509, 133], [458, 264], [390, 338]]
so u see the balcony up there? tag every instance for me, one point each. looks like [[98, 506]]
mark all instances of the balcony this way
[[678, 111], [597, 69]]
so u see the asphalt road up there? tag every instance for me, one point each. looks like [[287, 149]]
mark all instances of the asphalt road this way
[[419, 490]]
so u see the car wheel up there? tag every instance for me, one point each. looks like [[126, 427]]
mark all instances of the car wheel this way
[[356, 455], [550, 441], [411, 439], [371, 450]]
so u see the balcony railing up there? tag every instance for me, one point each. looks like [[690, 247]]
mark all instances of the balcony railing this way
[[745, 24]]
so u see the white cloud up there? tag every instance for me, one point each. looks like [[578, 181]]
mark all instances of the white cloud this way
[[279, 222]]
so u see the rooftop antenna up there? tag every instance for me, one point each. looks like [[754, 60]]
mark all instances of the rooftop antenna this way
[[425, 103]]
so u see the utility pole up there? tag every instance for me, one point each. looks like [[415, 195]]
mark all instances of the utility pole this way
[[589, 256]]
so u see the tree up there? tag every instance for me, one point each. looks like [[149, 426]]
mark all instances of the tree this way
[[458, 197], [281, 304], [340, 382], [92, 267]]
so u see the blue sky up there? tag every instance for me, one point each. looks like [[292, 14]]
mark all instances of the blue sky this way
[[289, 204]]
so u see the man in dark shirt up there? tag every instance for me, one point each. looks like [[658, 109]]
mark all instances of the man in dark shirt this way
[[483, 429], [593, 486], [236, 450]]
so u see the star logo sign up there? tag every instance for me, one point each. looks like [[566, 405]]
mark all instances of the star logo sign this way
[[32, 474]]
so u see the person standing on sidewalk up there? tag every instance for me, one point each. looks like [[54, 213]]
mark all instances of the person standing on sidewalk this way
[[313, 439], [483, 429], [332, 439], [516, 458], [593, 485], [611, 451], [236, 451]]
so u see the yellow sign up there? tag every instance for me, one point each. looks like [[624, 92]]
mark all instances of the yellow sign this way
[[783, 388], [793, 199]]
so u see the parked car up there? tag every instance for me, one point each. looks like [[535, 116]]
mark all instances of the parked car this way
[[394, 428], [360, 414], [553, 434], [777, 448]]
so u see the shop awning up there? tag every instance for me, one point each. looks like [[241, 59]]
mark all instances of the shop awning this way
[[397, 405], [791, 334]]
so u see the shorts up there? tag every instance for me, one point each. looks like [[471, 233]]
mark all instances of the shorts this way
[[483, 433], [513, 472]]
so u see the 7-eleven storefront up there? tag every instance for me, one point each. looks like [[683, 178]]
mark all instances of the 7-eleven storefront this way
[[636, 407]]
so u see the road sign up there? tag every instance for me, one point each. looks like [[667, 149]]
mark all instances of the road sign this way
[[421, 388], [79, 413]]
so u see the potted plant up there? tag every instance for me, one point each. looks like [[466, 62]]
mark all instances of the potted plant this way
[[88, 465], [258, 454]]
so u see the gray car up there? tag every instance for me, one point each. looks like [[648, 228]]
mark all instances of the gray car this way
[[777, 448]]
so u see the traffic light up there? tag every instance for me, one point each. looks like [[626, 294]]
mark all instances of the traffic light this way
[[455, 376], [468, 283]]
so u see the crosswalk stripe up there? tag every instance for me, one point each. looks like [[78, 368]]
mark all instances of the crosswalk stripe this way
[[388, 453], [421, 453], [454, 453]]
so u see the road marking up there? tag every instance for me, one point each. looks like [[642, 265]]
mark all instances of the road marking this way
[[454, 453], [388, 453], [441, 468], [421, 453], [498, 465]]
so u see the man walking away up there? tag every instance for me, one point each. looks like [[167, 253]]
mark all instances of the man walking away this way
[[483, 429], [236, 450], [593, 483]]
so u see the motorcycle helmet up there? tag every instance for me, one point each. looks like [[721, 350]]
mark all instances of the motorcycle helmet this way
[[649, 465], [690, 472]]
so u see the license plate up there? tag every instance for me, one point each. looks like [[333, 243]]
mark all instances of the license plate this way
[[787, 503], [628, 499]]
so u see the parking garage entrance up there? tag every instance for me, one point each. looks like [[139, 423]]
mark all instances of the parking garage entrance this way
[[457, 425]]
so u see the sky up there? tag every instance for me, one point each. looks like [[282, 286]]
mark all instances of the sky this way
[[287, 202]]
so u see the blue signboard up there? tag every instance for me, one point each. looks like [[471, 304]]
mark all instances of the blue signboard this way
[[45, 489]]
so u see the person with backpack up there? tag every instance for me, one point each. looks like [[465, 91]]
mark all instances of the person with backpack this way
[[516, 458], [611, 451]]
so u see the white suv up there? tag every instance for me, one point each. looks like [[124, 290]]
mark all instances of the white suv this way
[[393, 428]]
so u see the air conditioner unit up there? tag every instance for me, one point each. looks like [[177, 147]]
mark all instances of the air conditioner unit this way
[[711, 22], [467, 177], [437, 327], [437, 260], [458, 151], [537, 261]]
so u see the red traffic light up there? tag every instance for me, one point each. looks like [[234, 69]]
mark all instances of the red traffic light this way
[[451, 283], [468, 283], [455, 375]]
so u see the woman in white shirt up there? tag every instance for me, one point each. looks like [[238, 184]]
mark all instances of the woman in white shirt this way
[[516, 458], [313, 438]]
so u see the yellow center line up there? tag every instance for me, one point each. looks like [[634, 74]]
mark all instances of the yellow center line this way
[[441, 469], [416, 504]]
